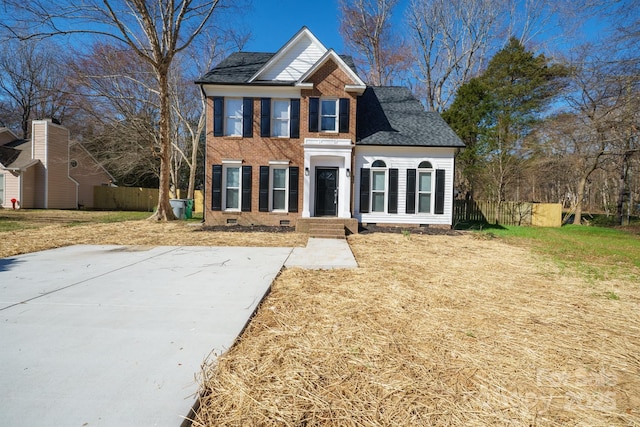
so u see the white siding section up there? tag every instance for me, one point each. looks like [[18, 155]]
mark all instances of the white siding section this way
[[403, 158], [295, 61]]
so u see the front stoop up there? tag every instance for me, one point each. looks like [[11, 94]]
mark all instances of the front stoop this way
[[327, 228]]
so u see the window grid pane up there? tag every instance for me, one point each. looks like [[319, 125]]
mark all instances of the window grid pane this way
[[378, 180], [377, 204], [424, 203], [278, 199]]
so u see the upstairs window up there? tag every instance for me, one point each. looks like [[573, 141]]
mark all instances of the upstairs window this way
[[233, 117], [280, 118], [328, 115]]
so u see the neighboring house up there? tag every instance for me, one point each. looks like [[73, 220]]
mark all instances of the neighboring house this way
[[48, 171], [297, 134]]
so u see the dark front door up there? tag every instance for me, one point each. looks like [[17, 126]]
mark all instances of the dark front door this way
[[326, 191]]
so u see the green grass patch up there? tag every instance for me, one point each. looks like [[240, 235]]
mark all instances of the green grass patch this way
[[596, 252], [10, 225]]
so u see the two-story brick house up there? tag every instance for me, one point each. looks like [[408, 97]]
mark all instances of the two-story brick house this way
[[297, 134]]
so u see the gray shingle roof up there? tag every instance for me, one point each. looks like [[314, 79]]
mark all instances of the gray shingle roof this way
[[239, 67], [391, 115]]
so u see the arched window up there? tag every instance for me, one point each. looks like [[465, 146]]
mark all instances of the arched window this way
[[425, 187], [378, 186]]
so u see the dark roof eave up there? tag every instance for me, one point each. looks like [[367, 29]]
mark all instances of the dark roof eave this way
[[408, 145], [261, 83]]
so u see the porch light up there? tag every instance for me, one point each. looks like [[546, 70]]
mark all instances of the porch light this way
[[348, 172], [306, 171]]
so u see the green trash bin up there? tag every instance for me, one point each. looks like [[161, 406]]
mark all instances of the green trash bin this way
[[188, 210]]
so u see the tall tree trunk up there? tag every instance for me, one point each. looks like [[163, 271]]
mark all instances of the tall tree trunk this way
[[577, 216], [164, 212], [622, 192]]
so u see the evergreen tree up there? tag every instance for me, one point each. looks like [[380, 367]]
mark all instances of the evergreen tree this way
[[495, 111]]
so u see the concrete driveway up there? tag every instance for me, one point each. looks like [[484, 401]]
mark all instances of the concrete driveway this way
[[113, 335]]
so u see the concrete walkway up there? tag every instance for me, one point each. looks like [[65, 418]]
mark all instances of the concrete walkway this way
[[115, 335], [322, 254]]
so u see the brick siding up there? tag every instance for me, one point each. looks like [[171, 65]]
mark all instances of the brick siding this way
[[329, 81]]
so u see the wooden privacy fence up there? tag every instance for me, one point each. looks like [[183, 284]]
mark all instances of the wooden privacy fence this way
[[508, 213], [135, 198]]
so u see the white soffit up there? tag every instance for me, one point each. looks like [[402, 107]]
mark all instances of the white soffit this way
[[292, 60]]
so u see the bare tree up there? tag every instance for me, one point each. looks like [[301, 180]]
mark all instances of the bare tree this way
[[366, 29], [155, 30], [450, 39], [603, 101], [33, 84]]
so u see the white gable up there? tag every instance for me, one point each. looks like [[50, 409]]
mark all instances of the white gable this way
[[294, 59]]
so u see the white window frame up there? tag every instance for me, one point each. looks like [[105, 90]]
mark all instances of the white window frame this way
[[419, 192], [272, 188], [385, 191], [336, 117], [228, 116], [226, 165], [275, 119]]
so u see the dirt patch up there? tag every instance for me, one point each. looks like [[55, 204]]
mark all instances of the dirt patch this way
[[433, 330]]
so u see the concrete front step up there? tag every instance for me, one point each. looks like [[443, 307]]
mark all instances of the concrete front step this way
[[341, 226], [327, 231]]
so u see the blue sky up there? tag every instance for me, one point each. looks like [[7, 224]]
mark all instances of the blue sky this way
[[274, 22]]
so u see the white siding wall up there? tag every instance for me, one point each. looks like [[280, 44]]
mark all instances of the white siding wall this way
[[403, 158], [11, 189], [295, 62]]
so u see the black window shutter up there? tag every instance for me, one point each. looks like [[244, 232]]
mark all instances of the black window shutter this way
[[294, 123], [218, 116], [246, 189], [314, 118], [439, 191], [247, 117], [293, 188], [392, 206], [411, 191], [364, 190], [216, 188], [263, 195], [265, 117], [343, 123]]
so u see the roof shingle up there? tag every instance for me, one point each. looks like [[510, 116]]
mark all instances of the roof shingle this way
[[392, 116]]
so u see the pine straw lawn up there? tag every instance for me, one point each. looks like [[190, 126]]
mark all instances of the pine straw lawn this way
[[433, 330], [430, 330]]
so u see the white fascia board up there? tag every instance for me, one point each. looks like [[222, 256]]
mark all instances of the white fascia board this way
[[304, 31], [253, 91], [359, 89], [304, 85], [331, 54]]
